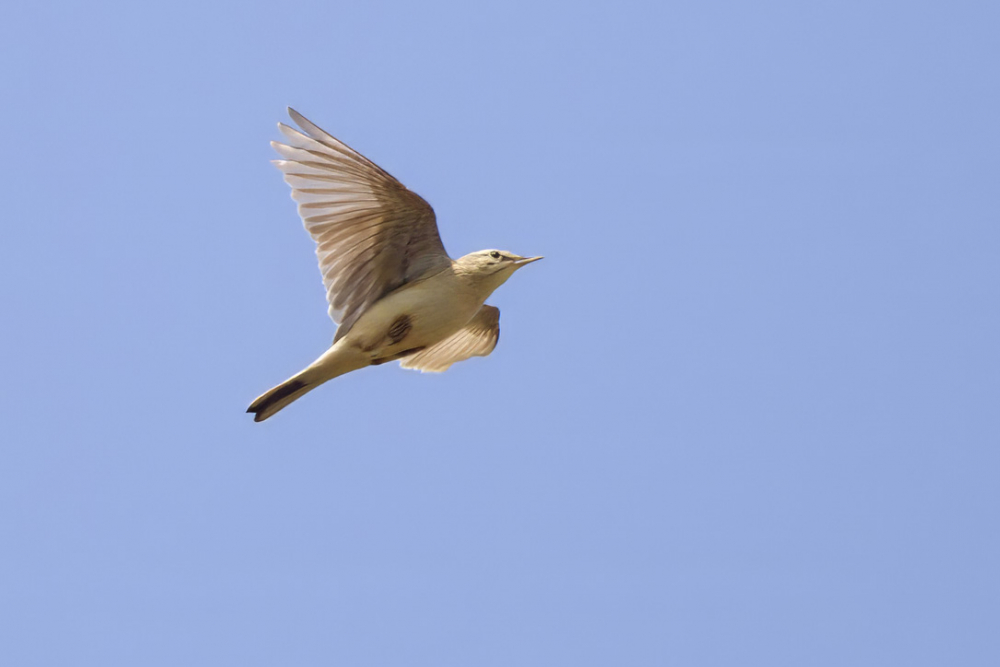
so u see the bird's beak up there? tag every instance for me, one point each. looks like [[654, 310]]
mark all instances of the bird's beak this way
[[527, 260]]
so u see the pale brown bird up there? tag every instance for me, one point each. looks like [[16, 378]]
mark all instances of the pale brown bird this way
[[393, 290]]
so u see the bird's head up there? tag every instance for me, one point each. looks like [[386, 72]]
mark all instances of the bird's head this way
[[492, 267]]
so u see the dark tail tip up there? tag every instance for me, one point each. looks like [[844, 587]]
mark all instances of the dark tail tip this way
[[259, 408]]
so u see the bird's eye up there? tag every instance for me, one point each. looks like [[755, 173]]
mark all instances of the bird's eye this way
[[495, 255]]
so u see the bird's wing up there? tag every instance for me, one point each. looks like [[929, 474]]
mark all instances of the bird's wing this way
[[372, 234], [477, 339]]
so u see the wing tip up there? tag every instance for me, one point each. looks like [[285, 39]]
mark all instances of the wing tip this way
[[299, 119]]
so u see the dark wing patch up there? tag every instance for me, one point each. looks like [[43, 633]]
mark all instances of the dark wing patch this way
[[400, 328]]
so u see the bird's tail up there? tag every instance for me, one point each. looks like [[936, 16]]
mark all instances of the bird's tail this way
[[335, 362], [275, 399]]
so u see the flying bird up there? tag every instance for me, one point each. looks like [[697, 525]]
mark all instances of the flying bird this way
[[393, 291]]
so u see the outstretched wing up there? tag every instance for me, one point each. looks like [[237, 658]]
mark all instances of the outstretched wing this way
[[372, 234], [477, 339]]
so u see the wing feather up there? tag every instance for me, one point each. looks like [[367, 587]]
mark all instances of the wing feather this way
[[477, 339], [372, 234]]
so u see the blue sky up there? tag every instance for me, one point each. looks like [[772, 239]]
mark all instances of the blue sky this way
[[745, 412]]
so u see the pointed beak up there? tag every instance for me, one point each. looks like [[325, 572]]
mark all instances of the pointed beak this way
[[527, 260]]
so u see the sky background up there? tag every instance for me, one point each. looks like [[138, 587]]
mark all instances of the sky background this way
[[746, 412]]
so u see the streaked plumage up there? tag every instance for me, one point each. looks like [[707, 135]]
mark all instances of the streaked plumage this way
[[392, 289]]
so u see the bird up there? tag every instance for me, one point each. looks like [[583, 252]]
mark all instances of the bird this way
[[393, 291]]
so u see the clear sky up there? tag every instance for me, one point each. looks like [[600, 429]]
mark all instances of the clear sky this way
[[746, 412]]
